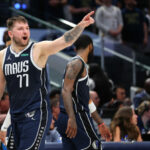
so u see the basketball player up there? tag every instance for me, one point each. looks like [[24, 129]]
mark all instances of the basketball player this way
[[22, 69], [74, 122]]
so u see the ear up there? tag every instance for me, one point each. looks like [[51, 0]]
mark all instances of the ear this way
[[90, 47], [10, 33]]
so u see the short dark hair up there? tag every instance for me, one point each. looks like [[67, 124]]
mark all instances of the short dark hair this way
[[10, 21], [54, 92], [6, 37], [53, 102], [82, 42]]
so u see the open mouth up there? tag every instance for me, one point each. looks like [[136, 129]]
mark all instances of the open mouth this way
[[24, 38]]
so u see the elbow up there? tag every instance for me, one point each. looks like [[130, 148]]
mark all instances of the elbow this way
[[65, 92]]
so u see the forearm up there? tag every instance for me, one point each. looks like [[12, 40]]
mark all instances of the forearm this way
[[68, 104], [72, 35], [96, 117], [119, 28]]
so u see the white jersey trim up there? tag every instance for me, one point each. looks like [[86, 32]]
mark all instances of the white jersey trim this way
[[32, 60], [6, 122], [18, 54]]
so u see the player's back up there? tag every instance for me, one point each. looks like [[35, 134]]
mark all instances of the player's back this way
[[80, 94]]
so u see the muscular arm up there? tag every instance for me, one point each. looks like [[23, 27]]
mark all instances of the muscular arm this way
[[2, 78], [116, 137], [43, 49], [72, 71]]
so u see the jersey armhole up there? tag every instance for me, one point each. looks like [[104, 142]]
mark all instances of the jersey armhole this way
[[32, 60]]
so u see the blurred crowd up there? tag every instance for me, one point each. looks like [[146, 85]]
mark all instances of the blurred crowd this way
[[117, 21]]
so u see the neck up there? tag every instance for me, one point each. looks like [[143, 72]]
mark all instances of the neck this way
[[83, 55], [108, 4], [16, 48]]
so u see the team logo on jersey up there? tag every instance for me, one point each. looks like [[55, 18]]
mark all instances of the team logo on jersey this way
[[95, 144], [9, 58], [24, 55], [30, 115]]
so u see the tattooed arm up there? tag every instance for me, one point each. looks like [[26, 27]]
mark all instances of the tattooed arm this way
[[46, 48], [73, 69]]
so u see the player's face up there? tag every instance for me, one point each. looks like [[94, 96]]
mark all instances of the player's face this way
[[20, 34]]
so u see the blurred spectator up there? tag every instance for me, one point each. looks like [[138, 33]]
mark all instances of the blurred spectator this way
[[94, 96], [55, 108], [99, 2], [54, 9], [143, 95], [6, 40], [123, 126], [134, 33], [53, 135], [144, 117], [4, 106], [55, 94], [4, 103], [79, 8], [102, 84], [127, 102], [118, 98], [120, 93], [148, 18], [109, 22], [111, 107], [120, 4]]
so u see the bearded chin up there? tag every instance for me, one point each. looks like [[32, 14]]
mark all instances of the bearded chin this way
[[19, 43]]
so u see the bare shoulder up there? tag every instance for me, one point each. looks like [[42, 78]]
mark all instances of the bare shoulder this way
[[73, 68], [41, 44], [2, 52]]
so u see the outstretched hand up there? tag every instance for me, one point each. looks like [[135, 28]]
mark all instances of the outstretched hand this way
[[87, 20]]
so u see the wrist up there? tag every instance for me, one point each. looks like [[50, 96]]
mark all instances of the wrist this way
[[81, 25]]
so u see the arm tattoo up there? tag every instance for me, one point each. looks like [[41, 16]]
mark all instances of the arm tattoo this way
[[73, 34], [73, 70]]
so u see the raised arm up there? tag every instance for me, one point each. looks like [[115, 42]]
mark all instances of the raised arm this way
[[73, 69], [46, 48]]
